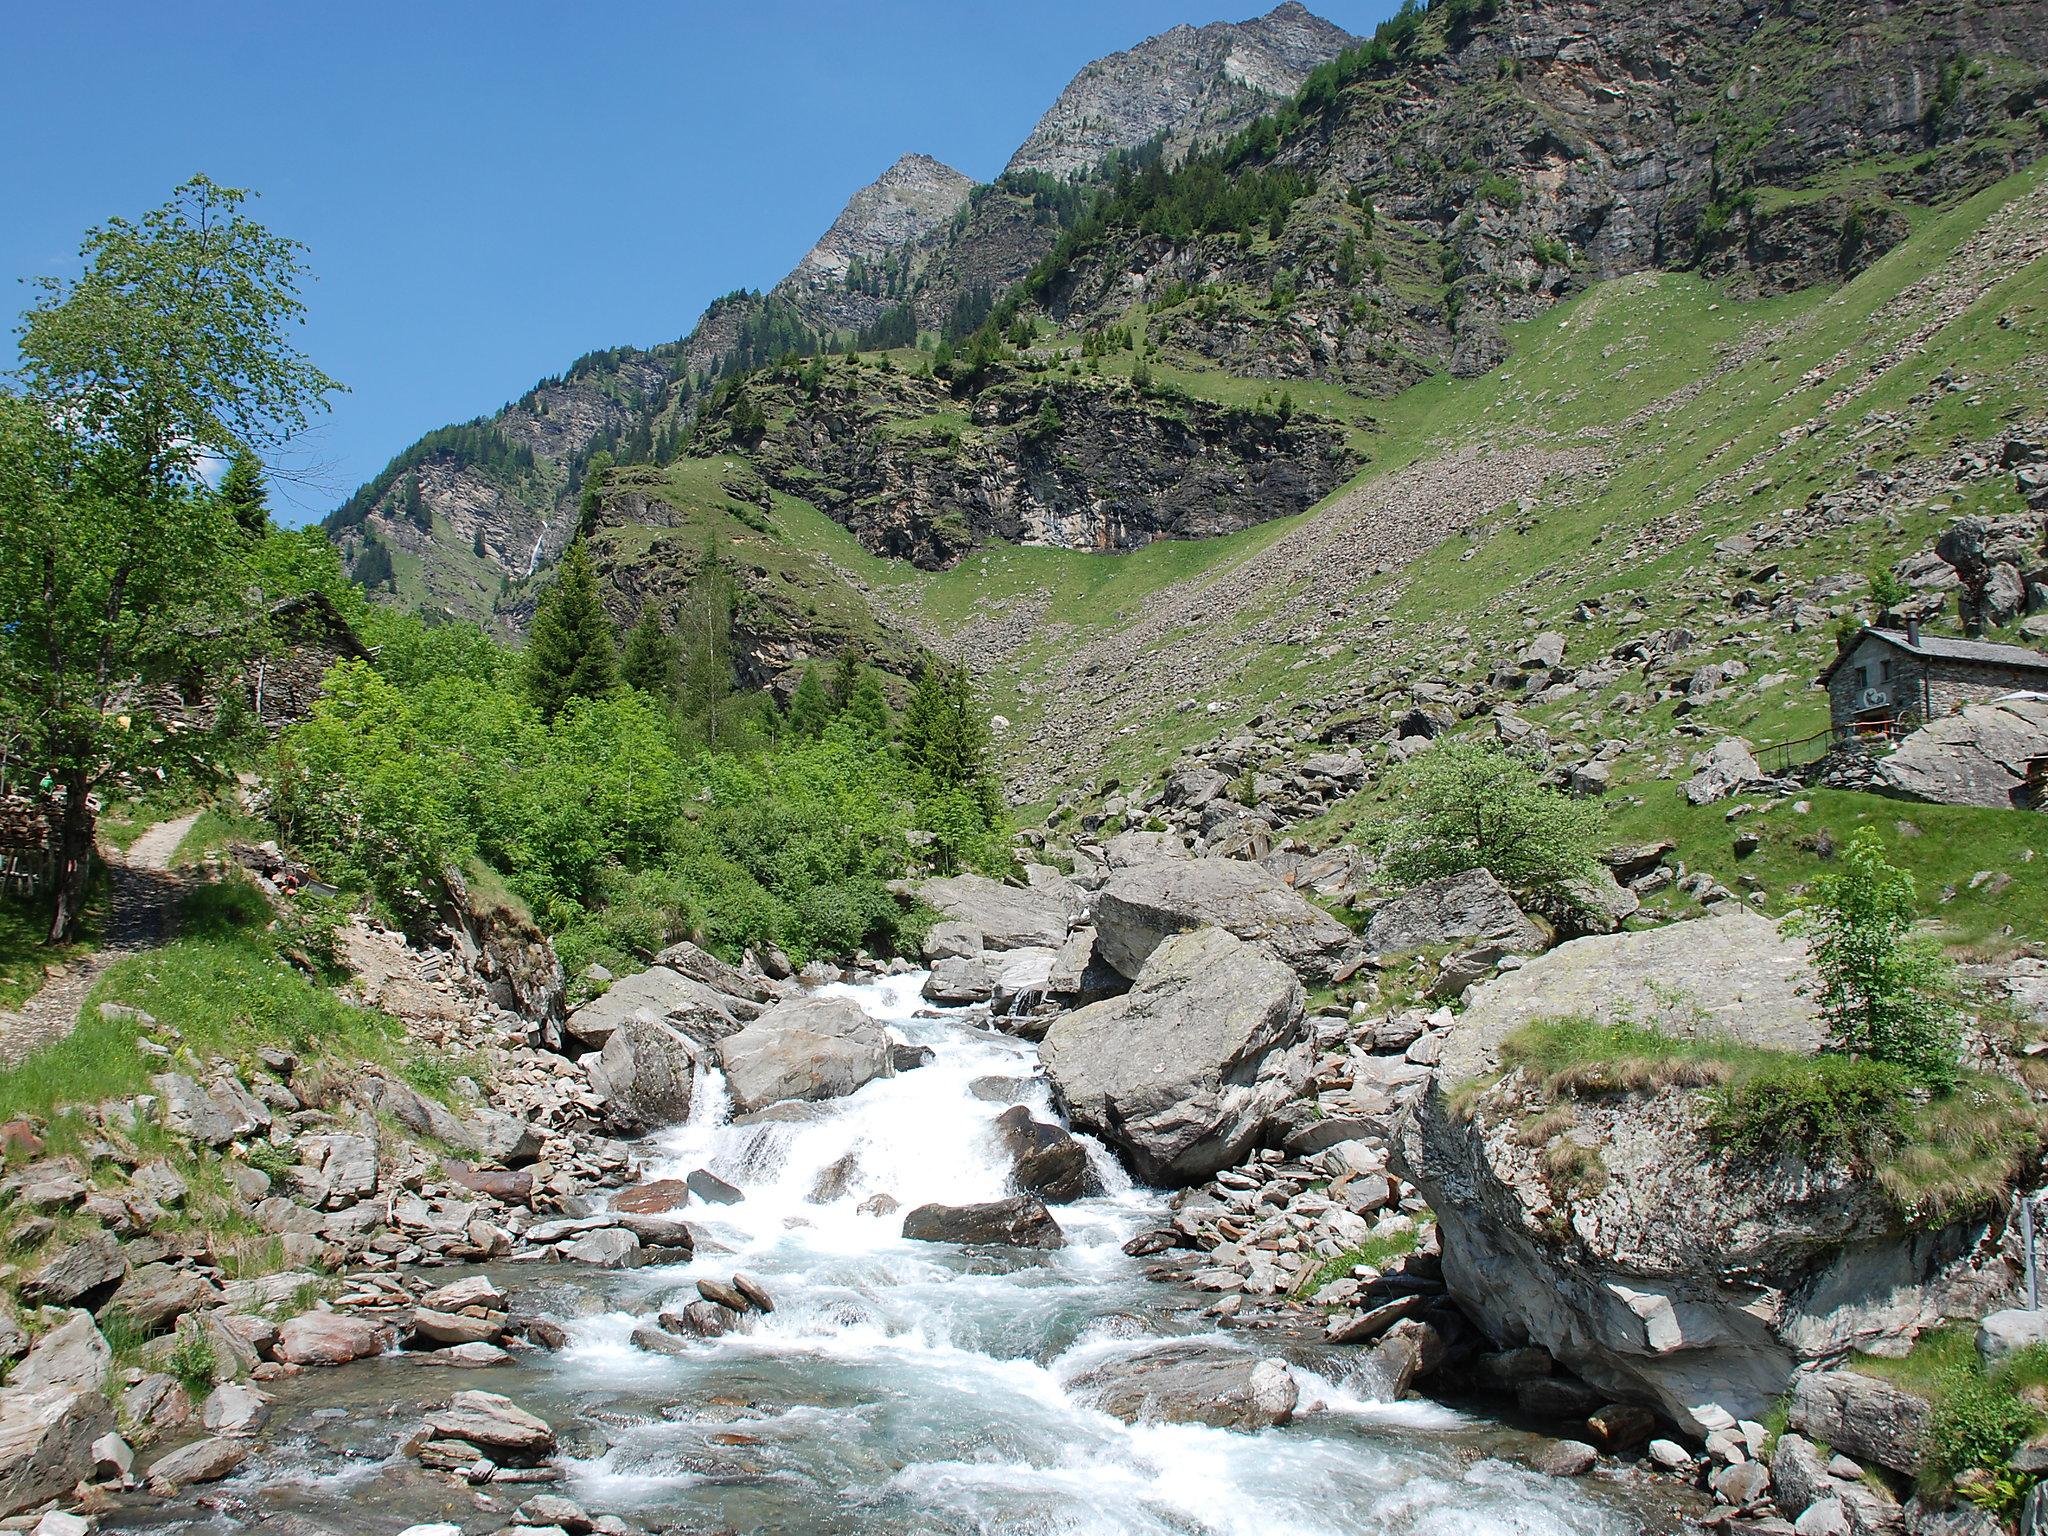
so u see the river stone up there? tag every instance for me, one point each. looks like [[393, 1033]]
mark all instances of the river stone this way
[[1977, 756], [157, 1295], [711, 1189], [718, 1292], [644, 1074], [203, 1461], [495, 1425], [1044, 1160], [73, 1354], [455, 1327], [809, 1048], [330, 1338], [1139, 908], [413, 1110], [1870, 1419], [1182, 1073], [606, 1248], [754, 1291], [951, 941], [1191, 1382], [1004, 916], [1451, 908], [46, 1440], [702, 1319], [1019, 1222], [1565, 1458], [653, 1198], [503, 1138], [235, 1408], [665, 996]]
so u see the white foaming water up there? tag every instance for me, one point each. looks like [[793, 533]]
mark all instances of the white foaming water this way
[[903, 1387]]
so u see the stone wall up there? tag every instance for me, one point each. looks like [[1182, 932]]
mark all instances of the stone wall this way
[[1923, 688]]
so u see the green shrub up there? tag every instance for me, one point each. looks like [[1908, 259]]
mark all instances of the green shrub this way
[[1978, 1424], [193, 1361], [1840, 1107]]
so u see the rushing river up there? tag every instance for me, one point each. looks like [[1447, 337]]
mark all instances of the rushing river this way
[[898, 1387]]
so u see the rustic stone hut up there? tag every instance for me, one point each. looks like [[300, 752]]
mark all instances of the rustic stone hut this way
[[1887, 681]]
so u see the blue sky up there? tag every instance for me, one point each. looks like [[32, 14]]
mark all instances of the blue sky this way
[[489, 191]]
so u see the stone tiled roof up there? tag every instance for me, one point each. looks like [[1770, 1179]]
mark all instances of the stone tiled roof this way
[[1947, 648]]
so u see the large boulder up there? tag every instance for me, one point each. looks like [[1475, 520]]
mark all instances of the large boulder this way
[[1005, 916], [1627, 1242], [1451, 909], [330, 1338], [644, 1074], [1182, 1073], [1735, 973], [495, 1425], [1721, 770], [684, 1003], [999, 977], [46, 1439], [72, 1354], [1019, 1222], [1192, 1381], [1138, 908], [809, 1048], [87, 1270], [1977, 756]]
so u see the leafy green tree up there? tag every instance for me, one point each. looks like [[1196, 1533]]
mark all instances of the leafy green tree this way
[[650, 662], [1466, 804], [809, 709], [170, 345], [1885, 994], [244, 494], [1887, 591], [709, 658], [569, 650]]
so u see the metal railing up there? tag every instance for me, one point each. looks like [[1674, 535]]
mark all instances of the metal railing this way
[[1783, 756]]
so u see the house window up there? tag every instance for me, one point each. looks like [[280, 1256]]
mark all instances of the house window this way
[[1862, 678], [1885, 674]]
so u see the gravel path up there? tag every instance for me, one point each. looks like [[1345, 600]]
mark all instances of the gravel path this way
[[145, 894]]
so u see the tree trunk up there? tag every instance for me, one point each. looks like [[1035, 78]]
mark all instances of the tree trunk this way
[[74, 860]]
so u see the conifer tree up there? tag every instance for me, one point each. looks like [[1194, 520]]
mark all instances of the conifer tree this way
[[867, 707], [650, 662], [244, 494], [845, 678], [569, 652], [944, 735], [809, 710]]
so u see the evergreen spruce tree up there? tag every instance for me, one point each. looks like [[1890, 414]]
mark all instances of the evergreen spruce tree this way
[[650, 662], [845, 678], [244, 494], [944, 735], [413, 506], [867, 707], [809, 710], [569, 652]]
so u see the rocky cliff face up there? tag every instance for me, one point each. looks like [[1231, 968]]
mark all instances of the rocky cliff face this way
[[916, 472], [1183, 86], [847, 279]]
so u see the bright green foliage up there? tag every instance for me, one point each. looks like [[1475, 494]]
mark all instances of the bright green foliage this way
[[1470, 805], [244, 494], [845, 678], [569, 650], [1842, 1107], [1887, 591], [651, 662], [1884, 993], [170, 344], [809, 709]]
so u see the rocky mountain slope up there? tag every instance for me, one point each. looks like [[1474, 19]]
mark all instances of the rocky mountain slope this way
[[468, 514], [1181, 87]]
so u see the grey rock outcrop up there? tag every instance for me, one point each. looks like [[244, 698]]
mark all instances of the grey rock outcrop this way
[[1044, 1160], [1977, 756], [1450, 908], [46, 1439], [1138, 908], [809, 1048], [682, 1002], [1182, 1073], [1870, 1419], [1721, 770], [1005, 916]]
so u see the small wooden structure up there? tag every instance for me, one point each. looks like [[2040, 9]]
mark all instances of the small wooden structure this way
[[28, 842]]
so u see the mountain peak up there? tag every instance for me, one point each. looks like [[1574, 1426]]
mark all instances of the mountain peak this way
[[1186, 85], [909, 200]]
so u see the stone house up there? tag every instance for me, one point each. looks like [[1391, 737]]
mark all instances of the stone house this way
[[1887, 681]]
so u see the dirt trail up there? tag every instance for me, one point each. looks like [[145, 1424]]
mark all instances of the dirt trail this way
[[144, 900]]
